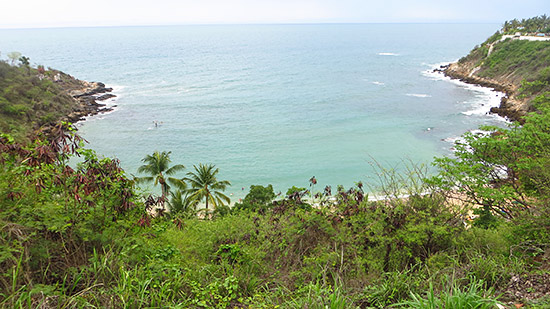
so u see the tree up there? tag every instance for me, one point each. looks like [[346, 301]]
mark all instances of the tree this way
[[14, 56], [503, 172], [24, 61], [205, 186], [157, 165], [259, 197], [180, 203]]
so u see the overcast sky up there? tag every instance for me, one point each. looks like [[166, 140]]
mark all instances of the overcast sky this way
[[70, 13]]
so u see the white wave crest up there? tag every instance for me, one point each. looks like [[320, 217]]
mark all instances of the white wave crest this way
[[484, 100], [418, 95], [481, 104], [388, 54]]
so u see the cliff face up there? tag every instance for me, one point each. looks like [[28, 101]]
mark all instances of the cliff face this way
[[504, 65]]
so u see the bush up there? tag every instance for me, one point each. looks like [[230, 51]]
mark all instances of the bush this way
[[259, 198]]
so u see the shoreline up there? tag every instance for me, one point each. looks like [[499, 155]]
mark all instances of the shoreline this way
[[88, 96], [486, 107], [510, 107]]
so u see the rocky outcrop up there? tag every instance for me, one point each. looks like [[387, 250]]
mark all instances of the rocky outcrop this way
[[510, 106], [85, 94], [90, 89]]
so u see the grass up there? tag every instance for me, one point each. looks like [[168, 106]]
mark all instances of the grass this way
[[473, 296]]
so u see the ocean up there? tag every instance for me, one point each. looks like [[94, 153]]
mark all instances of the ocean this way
[[272, 104]]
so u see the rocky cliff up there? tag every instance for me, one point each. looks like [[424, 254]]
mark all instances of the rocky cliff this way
[[87, 95], [510, 107], [504, 65]]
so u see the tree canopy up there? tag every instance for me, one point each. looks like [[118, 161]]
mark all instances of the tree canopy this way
[[158, 166], [205, 185]]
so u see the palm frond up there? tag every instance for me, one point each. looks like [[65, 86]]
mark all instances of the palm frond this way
[[174, 169], [205, 186], [145, 179], [180, 184], [222, 196], [155, 165]]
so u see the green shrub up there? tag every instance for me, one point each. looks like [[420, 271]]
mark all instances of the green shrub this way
[[534, 87], [259, 198]]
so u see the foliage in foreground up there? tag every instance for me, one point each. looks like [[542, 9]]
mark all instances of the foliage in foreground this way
[[504, 171], [80, 237], [471, 297]]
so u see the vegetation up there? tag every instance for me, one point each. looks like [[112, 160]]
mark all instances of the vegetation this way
[[475, 235], [516, 60], [259, 198], [517, 67], [28, 99], [523, 58], [205, 186], [472, 297], [75, 237], [530, 25], [156, 165], [514, 161]]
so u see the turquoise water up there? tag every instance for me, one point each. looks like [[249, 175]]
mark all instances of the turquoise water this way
[[272, 103]]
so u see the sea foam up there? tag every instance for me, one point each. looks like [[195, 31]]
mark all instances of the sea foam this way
[[483, 100], [418, 95]]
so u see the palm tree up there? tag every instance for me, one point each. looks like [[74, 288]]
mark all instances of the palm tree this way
[[204, 185], [180, 203], [157, 165]]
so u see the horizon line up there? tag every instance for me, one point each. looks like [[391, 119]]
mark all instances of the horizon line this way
[[245, 24]]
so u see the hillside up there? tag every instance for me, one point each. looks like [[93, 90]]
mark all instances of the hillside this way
[[36, 98], [517, 66]]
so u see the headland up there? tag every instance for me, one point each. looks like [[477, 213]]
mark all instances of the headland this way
[[509, 64]]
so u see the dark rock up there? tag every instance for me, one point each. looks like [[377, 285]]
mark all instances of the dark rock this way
[[88, 105], [96, 90], [105, 110], [105, 97], [504, 110], [88, 100]]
